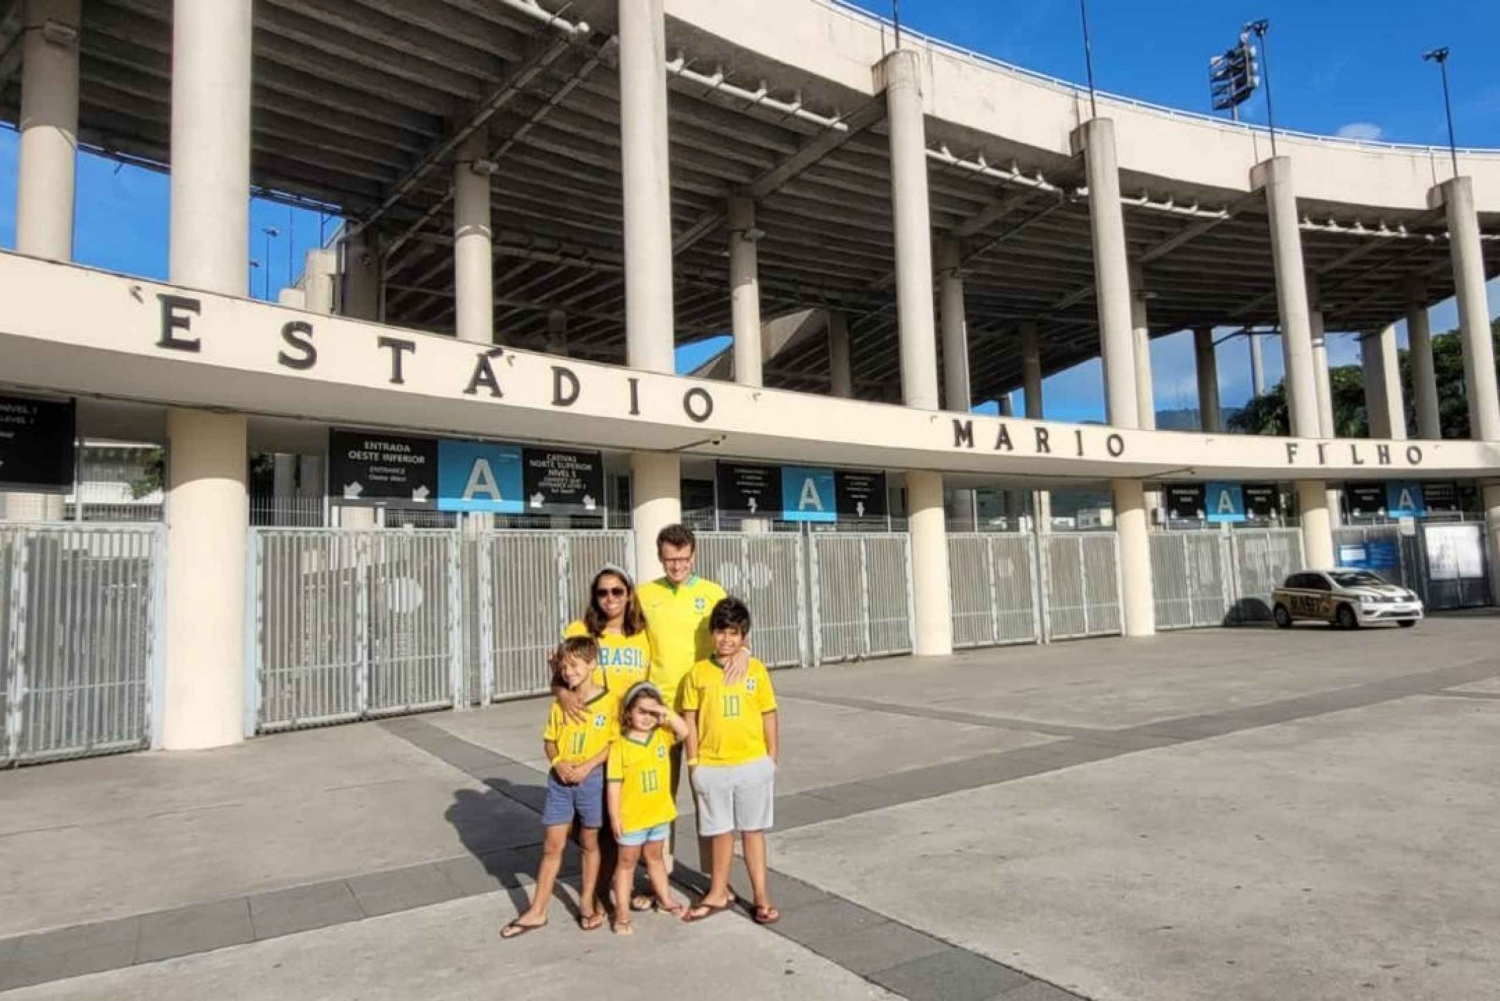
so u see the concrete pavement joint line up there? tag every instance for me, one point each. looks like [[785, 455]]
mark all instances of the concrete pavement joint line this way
[[952, 716], [1470, 695]]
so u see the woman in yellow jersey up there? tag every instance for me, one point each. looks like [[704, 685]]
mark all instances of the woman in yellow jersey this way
[[615, 621]]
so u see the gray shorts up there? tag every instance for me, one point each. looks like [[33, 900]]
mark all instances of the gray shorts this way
[[735, 797]]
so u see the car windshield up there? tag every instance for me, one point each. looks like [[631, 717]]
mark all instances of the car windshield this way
[[1356, 578]]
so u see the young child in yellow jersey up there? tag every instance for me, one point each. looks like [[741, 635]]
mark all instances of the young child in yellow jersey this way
[[641, 807], [732, 750], [575, 785]]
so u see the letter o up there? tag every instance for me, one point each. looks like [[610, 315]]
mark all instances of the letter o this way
[[703, 410], [1414, 455], [1116, 445]]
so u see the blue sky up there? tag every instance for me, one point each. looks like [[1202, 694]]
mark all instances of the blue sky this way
[[1351, 65]]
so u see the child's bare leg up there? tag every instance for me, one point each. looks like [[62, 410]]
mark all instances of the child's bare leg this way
[[656, 871], [624, 874], [721, 854], [546, 881], [755, 865], [588, 901]]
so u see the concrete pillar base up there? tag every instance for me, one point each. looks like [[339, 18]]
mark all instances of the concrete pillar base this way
[[1138, 618], [207, 516], [1317, 525], [656, 502], [929, 564]]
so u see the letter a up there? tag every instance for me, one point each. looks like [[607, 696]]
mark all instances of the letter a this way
[[1226, 502], [809, 496], [482, 480], [1406, 503]]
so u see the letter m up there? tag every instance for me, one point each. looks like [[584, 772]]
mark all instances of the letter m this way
[[963, 433]]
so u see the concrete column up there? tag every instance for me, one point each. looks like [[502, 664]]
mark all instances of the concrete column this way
[[210, 190], [557, 333], [840, 369], [1275, 176], [283, 481], [956, 392], [207, 506], [359, 278], [650, 338], [913, 230], [207, 513], [1322, 379], [1423, 372], [320, 281], [929, 564], [1031, 371], [473, 243], [656, 502], [310, 478], [1317, 524], [1096, 139], [1457, 196], [744, 292], [1490, 494], [1133, 525], [1140, 333], [48, 153], [1257, 366], [1383, 402], [1211, 414]]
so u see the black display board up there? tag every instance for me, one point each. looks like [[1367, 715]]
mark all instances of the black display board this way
[[859, 495], [367, 467], [1262, 500], [1365, 498], [562, 481], [37, 444], [1185, 501], [751, 489]]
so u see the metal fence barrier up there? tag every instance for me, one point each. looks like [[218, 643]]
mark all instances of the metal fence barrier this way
[[861, 595], [993, 581], [1405, 550], [1081, 571], [80, 650], [1262, 561], [1190, 579], [768, 572]]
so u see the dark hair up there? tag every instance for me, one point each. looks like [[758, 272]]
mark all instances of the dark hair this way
[[594, 620], [583, 648], [634, 695], [676, 535], [730, 613]]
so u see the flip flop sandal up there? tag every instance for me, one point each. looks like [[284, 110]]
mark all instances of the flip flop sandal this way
[[709, 910], [767, 915], [642, 902], [622, 927], [517, 929], [591, 922]]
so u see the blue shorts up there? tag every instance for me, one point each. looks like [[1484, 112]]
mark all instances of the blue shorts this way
[[634, 839], [584, 801]]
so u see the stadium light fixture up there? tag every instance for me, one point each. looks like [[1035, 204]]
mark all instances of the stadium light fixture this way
[[1440, 56], [271, 232], [1088, 58], [1234, 76], [1259, 29]]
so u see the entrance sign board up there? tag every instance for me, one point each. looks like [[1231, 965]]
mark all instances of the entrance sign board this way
[[1225, 502], [376, 468], [1262, 501], [1404, 500], [859, 495], [807, 494], [755, 489], [1185, 501], [36, 444], [1455, 552], [1440, 496], [562, 481], [480, 476], [1366, 498]]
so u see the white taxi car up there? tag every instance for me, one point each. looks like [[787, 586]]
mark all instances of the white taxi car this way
[[1347, 598]]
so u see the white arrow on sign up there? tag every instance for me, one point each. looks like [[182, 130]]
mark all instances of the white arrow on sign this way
[[353, 490], [752, 505], [536, 500], [419, 494], [588, 502], [859, 509]]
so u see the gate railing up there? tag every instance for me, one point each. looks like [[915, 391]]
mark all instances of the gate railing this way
[[769, 572], [993, 583], [1191, 583], [80, 639], [861, 595], [1405, 550], [1262, 561], [1081, 584]]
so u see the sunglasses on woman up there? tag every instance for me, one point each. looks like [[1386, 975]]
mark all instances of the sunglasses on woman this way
[[610, 592]]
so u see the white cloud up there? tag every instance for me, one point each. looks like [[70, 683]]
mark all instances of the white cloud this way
[[1360, 130]]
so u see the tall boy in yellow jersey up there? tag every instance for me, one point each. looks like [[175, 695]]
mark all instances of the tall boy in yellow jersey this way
[[732, 748]]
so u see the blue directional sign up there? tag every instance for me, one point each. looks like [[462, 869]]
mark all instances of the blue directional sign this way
[[1224, 502], [808, 494], [1403, 499], [476, 476]]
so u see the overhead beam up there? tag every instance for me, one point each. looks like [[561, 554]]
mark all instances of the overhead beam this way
[[1194, 231], [772, 180], [10, 39]]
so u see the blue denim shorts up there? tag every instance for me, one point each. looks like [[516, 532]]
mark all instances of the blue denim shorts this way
[[634, 839], [584, 801]]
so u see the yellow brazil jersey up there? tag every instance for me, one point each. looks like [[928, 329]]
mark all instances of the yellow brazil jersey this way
[[731, 718], [623, 660], [644, 770], [677, 623], [582, 741]]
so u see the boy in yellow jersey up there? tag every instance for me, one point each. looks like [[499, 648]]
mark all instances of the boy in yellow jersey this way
[[575, 785], [732, 749], [641, 806]]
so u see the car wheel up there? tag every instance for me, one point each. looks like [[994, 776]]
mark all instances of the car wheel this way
[[1346, 619], [1407, 624], [1283, 617]]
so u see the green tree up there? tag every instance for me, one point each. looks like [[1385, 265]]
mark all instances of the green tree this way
[[1267, 414]]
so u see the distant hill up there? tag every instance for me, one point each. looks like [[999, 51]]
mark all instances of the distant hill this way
[[1186, 419]]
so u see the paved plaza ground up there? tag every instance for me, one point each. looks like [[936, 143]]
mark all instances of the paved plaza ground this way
[[1218, 814]]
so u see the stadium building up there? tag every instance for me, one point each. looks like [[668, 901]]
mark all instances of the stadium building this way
[[470, 400]]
